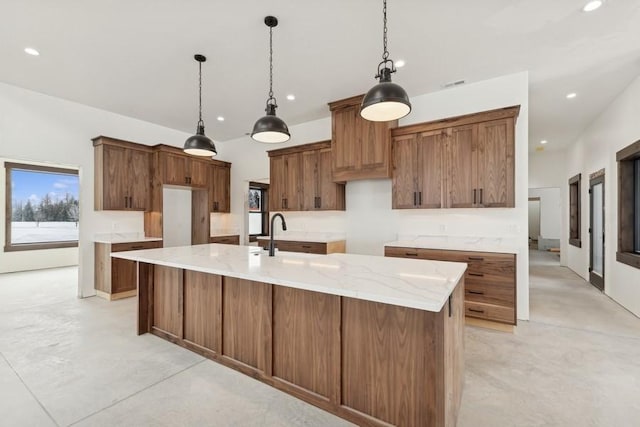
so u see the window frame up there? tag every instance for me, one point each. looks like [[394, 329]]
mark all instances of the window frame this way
[[264, 209], [16, 247], [627, 211], [576, 182]]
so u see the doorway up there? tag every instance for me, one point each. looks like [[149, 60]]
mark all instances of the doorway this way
[[596, 230], [534, 222], [258, 210]]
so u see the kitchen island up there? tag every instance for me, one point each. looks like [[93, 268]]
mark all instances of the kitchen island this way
[[377, 341]]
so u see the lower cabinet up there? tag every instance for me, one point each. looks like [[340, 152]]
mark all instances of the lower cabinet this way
[[226, 240], [117, 278], [490, 280], [321, 248]]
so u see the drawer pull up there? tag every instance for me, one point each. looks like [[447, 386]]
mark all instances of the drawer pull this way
[[306, 246], [475, 292], [410, 254], [473, 310], [476, 258], [137, 247], [477, 274]]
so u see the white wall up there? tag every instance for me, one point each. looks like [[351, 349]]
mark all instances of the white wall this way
[[547, 169], [176, 217], [40, 128], [550, 211], [617, 127], [369, 220]]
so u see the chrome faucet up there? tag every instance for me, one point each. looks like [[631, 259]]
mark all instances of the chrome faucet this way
[[272, 245]]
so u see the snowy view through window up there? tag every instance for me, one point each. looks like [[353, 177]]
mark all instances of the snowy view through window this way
[[44, 207]]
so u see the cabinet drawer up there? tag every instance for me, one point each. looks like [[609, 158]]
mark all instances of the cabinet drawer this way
[[305, 247], [490, 293], [490, 312], [226, 240], [134, 246]]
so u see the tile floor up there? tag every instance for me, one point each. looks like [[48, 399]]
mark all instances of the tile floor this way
[[65, 361]]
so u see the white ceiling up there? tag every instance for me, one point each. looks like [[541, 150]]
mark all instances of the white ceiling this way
[[136, 57]]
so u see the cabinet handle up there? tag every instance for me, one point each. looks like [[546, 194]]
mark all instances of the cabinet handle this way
[[420, 198], [415, 199], [411, 254], [475, 311], [475, 292], [477, 274], [306, 247], [130, 202], [286, 202], [126, 202], [481, 196], [474, 196], [319, 202], [137, 247], [476, 258]]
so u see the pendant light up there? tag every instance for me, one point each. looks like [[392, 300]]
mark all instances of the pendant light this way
[[385, 101], [199, 144], [269, 128]]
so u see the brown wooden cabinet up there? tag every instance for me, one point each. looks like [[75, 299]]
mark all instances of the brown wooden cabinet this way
[[321, 248], [180, 169], [490, 280], [460, 162], [122, 175], [361, 149], [117, 278], [220, 188], [225, 240], [301, 179]]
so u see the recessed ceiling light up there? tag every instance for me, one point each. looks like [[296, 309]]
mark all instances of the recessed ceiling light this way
[[400, 63], [220, 119], [571, 95], [31, 51], [544, 141], [592, 5], [291, 97]]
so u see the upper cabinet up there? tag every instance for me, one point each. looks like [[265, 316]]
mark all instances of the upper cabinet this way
[[122, 175], [301, 179], [460, 162], [181, 169], [360, 149], [219, 188]]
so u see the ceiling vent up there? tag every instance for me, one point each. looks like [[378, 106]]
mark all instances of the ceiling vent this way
[[454, 84]]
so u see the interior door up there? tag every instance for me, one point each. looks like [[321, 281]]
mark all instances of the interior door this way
[[596, 232]]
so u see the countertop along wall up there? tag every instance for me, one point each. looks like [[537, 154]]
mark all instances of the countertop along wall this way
[[617, 127], [40, 128], [369, 221]]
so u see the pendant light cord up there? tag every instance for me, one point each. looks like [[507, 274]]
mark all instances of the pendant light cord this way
[[271, 66], [200, 122], [385, 54]]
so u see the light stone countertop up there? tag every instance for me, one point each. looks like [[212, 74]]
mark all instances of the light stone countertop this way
[[420, 284], [457, 243], [124, 238], [301, 236]]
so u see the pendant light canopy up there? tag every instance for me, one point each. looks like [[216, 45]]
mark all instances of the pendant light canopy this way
[[385, 101], [199, 144], [270, 128]]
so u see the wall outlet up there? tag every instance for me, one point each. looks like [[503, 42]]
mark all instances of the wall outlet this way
[[442, 228]]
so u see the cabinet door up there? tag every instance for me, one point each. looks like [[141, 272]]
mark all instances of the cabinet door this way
[[461, 167], [139, 163], [198, 173], [310, 180], [123, 275], [293, 185], [330, 194], [276, 183], [115, 178], [175, 169], [346, 146], [374, 145], [221, 189], [430, 179], [405, 171], [496, 164]]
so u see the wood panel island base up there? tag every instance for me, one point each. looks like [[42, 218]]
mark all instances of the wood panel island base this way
[[370, 362]]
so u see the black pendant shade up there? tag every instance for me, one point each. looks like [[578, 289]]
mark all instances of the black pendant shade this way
[[270, 128], [385, 101], [200, 144]]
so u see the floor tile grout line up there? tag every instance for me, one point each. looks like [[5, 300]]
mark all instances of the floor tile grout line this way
[[29, 390], [591, 331], [137, 392]]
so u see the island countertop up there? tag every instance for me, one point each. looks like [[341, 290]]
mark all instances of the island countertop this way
[[420, 284]]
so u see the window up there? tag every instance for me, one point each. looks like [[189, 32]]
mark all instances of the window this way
[[629, 205], [42, 207], [574, 211], [258, 210]]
